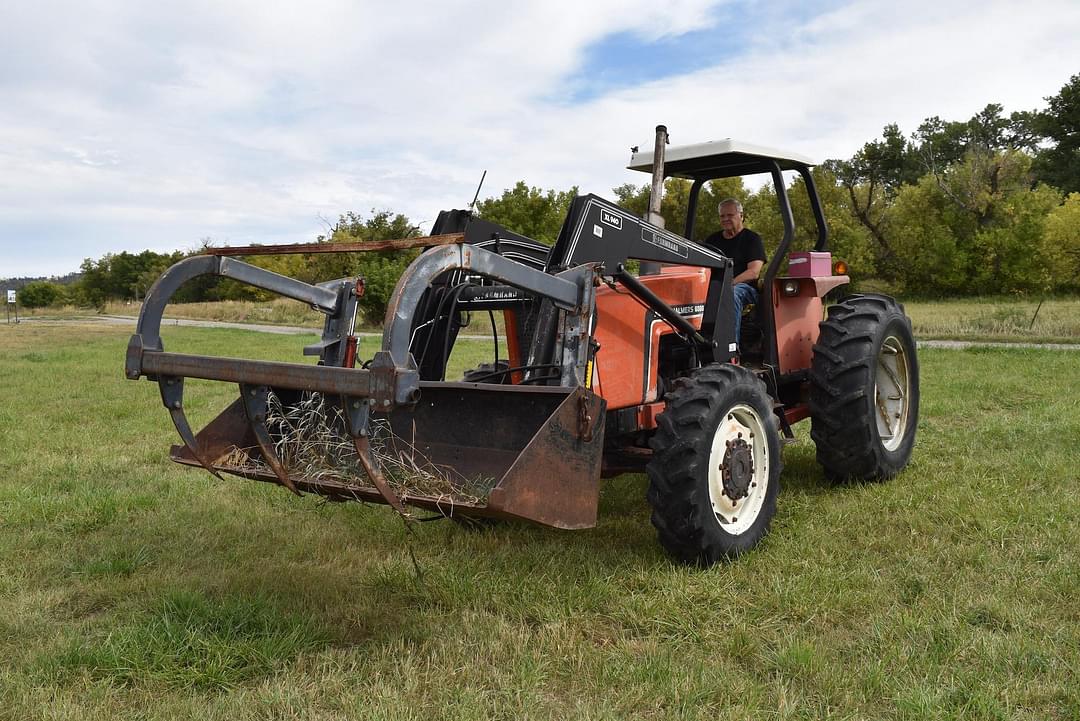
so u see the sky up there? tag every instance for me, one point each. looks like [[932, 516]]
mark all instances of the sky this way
[[129, 125]]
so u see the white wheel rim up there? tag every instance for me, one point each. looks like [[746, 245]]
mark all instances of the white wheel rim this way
[[892, 393], [741, 424]]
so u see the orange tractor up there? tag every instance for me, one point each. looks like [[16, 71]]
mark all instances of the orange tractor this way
[[606, 371]]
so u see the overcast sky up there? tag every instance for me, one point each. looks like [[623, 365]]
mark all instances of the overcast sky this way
[[130, 125]]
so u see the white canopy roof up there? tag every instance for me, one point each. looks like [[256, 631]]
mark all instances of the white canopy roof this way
[[718, 158]]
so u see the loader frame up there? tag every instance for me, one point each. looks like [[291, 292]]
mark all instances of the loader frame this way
[[390, 385]]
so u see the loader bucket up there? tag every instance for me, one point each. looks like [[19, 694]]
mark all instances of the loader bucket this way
[[378, 432], [478, 450]]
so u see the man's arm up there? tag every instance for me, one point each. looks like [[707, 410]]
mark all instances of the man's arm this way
[[750, 274]]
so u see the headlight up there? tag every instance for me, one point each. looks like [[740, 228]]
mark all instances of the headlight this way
[[790, 287]]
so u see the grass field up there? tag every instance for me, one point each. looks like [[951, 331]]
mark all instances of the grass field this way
[[134, 588], [1055, 320]]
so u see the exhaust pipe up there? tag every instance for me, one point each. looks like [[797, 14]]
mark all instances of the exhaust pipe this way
[[657, 193]]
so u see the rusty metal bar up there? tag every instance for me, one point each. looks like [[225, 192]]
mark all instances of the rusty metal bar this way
[[363, 246], [324, 379]]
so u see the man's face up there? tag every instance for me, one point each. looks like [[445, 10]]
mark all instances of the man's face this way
[[730, 219]]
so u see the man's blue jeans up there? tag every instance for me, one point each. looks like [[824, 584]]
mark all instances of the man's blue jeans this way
[[745, 294]]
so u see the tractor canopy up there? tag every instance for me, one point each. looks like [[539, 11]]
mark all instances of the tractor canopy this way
[[719, 159]]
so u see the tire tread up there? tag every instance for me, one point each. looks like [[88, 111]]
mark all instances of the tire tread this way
[[684, 434], [843, 426]]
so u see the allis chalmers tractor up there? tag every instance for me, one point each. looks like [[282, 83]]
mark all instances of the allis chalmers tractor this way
[[606, 371]]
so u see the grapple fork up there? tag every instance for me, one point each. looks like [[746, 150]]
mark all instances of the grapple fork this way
[[504, 440]]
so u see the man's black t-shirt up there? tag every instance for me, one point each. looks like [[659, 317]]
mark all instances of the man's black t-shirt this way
[[743, 248]]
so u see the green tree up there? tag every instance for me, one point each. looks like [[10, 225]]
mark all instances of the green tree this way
[[849, 240], [151, 270], [1059, 164], [1061, 239], [380, 269], [977, 227], [938, 144], [871, 179], [532, 212], [42, 293], [1012, 255], [927, 237], [93, 287], [676, 201], [982, 180], [875, 175], [120, 276]]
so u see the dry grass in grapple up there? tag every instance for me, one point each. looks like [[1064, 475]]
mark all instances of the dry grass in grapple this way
[[311, 441]]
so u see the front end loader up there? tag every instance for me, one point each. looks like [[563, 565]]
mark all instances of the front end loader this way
[[608, 370], [512, 435]]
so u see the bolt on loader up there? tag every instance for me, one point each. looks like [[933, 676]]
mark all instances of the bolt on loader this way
[[606, 371]]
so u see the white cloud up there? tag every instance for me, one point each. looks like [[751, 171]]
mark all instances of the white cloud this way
[[131, 125]]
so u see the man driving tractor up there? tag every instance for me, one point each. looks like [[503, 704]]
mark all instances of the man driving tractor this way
[[746, 251]]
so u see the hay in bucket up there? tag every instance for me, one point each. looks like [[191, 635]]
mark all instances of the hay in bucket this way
[[311, 441]]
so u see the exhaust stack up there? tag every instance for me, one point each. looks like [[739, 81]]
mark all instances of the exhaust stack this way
[[657, 193]]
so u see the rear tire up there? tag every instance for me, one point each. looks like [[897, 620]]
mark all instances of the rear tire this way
[[715, 471], [864, 389]]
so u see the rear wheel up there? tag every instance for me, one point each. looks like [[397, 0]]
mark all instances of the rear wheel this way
[[864, 389], [715, 472]]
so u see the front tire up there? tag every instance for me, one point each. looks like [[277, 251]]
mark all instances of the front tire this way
[[715, 472], [864, 389]]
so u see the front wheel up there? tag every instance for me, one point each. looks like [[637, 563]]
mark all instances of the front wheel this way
[[864, 389], [715, 472]]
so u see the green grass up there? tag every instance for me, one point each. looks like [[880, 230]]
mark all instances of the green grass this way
[[134, 588], [191, 641]]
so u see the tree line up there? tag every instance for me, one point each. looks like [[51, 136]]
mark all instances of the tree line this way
[[987, 205]]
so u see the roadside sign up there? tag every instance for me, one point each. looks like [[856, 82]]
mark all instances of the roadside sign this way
[[10, 305]]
